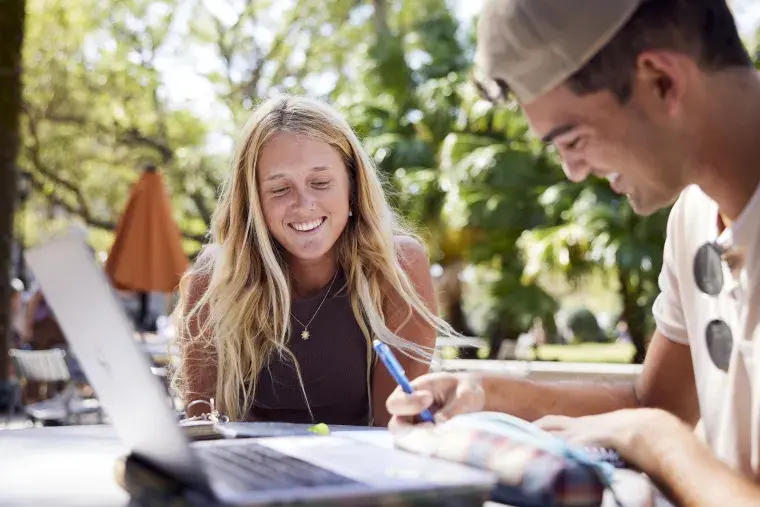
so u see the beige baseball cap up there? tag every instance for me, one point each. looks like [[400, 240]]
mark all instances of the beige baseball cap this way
[[535, 45]]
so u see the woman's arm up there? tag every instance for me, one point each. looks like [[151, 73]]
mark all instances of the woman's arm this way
[[414, 261], [199, 359]]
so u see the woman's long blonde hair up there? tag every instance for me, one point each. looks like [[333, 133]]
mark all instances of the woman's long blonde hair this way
[[247, 303]]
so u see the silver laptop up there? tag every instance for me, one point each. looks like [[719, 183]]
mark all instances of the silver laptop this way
[[284, 469]]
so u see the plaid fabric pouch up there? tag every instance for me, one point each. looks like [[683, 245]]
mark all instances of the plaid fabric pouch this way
[[535, 468]]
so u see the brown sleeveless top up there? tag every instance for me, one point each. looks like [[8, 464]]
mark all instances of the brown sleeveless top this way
[[333, 364]]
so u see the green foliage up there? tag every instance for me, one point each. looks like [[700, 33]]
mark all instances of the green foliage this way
[[97, 109], [463, 171], [593, 230], [585, 327], [588, 353], [483, 192], [94, 114], [460, 167]]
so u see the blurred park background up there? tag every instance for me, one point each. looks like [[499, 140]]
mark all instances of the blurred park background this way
[[554, 270]]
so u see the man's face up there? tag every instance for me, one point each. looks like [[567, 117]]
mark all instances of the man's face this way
[[636, 146]]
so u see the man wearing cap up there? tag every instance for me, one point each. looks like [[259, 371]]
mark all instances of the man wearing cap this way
[[661, 98]]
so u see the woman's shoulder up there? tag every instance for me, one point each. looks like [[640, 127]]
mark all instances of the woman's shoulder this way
[[411, 253], [412, 257], [207, 256], [201, 270]]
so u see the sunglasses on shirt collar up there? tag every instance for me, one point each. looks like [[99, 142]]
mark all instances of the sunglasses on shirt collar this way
[[710, 279]]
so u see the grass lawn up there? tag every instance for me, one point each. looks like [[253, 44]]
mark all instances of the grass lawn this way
[[581, 353], [588, 353]]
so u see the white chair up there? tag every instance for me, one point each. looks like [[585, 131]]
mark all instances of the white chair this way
[[67, 406]]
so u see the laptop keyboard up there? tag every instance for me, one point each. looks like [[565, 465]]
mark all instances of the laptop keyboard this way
[[254, 467]]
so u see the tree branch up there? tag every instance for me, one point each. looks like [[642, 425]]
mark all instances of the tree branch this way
[[210, 179], [200, 205], [34, 155], [99, 223], [133, 136], [229, 40], [250, 87], [381, 18], [198, 197], [128, 136], [54, 199], [81, 209]]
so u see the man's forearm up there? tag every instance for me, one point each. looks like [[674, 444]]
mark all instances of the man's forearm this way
[[686, 471], [532, 400]]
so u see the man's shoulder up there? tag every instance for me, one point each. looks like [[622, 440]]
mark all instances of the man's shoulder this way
[[693, 199], [693, 210]]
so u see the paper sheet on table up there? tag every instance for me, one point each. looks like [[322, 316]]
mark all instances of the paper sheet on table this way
[[382, 439]]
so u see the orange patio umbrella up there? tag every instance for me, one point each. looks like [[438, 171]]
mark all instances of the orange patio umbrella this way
[[147, 254]]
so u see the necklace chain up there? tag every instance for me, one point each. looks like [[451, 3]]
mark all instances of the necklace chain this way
[[305, 333]]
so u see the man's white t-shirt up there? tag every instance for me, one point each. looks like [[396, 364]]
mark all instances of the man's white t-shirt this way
[[727, 381]]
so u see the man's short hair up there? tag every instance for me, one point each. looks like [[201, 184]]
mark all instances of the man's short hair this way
[[527, 47], [703, 29]]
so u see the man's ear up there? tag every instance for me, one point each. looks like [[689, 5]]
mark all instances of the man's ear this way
[[660, 81]]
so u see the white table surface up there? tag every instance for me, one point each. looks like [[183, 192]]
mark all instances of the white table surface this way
[[74, 465]]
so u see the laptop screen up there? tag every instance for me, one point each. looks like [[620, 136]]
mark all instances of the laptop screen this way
[[102, 339]]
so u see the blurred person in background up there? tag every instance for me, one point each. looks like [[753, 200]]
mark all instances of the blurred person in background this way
[[43, 331], [308, 264], [39, 331], [18, 332], [661, 98]]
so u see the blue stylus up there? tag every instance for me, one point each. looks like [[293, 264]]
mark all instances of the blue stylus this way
[[394, 367]]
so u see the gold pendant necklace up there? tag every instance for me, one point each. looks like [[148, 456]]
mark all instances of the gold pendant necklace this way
[[305, 334]]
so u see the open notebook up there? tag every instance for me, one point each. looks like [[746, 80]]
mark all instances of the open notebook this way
[[534, 467]]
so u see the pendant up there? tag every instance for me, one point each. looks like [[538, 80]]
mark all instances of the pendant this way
[[305, 334]]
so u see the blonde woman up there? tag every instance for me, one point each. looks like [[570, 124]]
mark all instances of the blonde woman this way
[[307, 265]]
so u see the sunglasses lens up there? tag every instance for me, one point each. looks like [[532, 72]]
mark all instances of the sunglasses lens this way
[[708, 270], [720, 341]]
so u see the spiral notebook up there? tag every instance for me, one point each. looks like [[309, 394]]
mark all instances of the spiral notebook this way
[[606, 455], [534, 467]]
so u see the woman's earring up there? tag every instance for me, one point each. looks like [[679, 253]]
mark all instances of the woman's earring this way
[[350, 213]]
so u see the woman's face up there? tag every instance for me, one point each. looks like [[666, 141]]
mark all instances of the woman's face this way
[[304, 190]]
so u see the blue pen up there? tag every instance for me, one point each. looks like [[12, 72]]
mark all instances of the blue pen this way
[[394, 367]]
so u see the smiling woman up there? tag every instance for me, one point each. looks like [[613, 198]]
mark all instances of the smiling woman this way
[[308, 265], [295, 167]]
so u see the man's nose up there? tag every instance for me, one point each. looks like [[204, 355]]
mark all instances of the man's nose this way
[[576, 170]]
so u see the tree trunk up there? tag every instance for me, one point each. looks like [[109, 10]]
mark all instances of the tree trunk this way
[[633, 315], [458, 321], [381, 18], [507, 331], [12, 14], [450, 291]]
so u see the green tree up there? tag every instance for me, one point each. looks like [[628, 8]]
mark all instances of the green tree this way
[[461, 168], [494, 175], [596, 231], [94, 114], [404, 105], [96, 106]]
